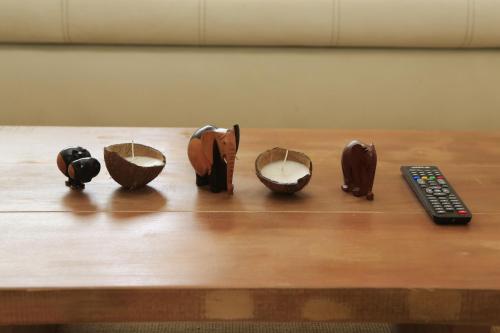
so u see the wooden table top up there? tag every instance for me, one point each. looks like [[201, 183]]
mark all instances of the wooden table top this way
[[174, 251]]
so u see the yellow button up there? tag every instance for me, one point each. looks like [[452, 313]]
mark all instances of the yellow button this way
[[424, 177]]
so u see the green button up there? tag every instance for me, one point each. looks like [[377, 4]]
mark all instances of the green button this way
[[432, 178]]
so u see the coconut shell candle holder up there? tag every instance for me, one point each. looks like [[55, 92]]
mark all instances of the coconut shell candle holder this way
[[133, 165], [283, 171]]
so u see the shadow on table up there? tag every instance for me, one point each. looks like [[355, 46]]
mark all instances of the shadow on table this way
[[80, 203], [132, 203], [287, 198]]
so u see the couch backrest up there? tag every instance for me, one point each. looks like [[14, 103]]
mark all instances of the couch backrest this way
[[387, 23]]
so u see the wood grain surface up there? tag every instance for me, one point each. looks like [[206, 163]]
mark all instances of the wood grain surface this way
[[172, 251]]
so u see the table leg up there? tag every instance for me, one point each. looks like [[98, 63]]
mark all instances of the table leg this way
[[423, 328]]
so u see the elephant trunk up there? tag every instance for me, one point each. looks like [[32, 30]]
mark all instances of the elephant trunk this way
[[231, 157], [373, 167]]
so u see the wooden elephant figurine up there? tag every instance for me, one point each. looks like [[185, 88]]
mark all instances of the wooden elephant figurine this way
[[212, 153], [359, 162]]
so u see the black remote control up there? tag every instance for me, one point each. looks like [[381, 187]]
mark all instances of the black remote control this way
[[436, 195]]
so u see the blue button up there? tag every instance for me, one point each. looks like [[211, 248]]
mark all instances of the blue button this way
[[416, 177]]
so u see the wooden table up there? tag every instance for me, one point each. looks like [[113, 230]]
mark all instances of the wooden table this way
[[175, 252]]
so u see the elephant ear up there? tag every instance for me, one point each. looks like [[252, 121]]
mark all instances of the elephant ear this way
[[207, 145]]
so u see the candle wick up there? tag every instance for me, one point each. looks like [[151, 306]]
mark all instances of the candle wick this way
[[133, 153], [284, 161]]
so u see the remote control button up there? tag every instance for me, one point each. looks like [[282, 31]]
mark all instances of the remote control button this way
[[462, 212], [440, 194], [420, 181], [432, 178], [440, 177], [416, 177], [445, 190], [424, 177], [437, 190], [440, 211], [429, 190], [449, 209], [441, 181]]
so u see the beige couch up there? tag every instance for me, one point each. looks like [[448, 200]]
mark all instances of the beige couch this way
[[430, 64]]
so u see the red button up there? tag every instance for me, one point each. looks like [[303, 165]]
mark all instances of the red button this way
[[440, 177], [462, 212]]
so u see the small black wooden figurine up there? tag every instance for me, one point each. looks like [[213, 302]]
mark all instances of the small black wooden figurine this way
[[359, 162], [77, 164]]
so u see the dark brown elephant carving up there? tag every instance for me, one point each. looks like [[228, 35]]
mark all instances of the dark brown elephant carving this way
[[212, 153], [359, 162]]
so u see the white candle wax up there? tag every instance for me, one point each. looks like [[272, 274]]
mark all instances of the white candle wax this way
[[285, 172], [144, 161]]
